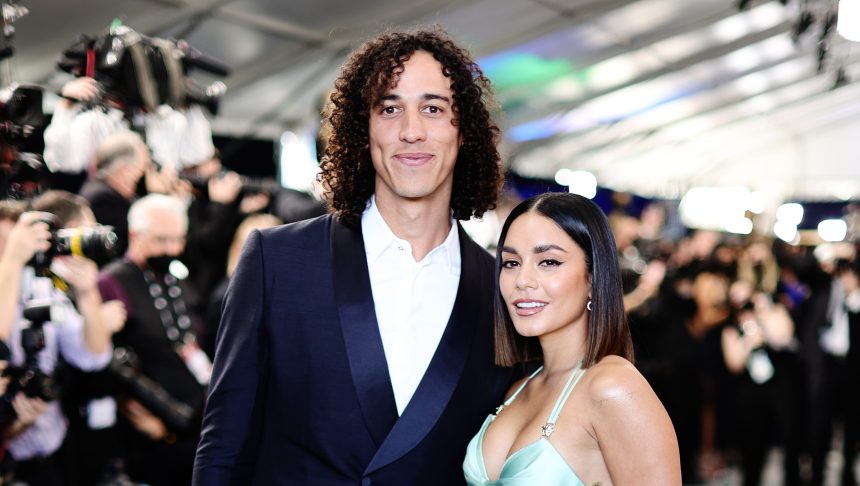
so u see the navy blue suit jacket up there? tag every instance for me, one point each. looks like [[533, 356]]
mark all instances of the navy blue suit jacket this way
[[300, 392]]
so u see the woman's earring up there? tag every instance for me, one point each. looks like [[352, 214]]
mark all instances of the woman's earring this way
[[588, 305]]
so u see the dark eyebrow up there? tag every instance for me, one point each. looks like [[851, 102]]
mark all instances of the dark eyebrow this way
[[538, 249], [425, 97], [547, 247]]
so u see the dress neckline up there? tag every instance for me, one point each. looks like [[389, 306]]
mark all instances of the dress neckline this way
[[546, 430]]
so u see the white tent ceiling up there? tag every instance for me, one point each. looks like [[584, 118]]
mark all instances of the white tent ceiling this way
[[652, 96]]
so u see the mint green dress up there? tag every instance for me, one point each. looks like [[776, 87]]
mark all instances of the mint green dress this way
[[538, 463]]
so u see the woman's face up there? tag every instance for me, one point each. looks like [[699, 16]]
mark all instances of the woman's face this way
[[544, 280]]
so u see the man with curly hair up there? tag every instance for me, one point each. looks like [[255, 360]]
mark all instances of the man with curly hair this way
[[357, 348]]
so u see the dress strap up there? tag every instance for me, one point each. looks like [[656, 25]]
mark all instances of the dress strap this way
[[517, 392], [575, 376]]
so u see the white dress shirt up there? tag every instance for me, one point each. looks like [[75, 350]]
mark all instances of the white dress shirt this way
[[413, 300]]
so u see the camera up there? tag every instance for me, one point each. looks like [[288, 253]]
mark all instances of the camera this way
[[97, 243], [23, 170], [141, 72], [250, 185], [28, 378], [124, 369]]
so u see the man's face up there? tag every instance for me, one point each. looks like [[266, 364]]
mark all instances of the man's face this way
[[165, 236], [413, 142]]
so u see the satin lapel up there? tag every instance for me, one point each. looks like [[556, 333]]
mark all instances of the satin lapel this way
[[446, 367], [361, 331]]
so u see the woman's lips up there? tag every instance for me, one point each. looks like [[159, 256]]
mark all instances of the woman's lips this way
[[527, 307]]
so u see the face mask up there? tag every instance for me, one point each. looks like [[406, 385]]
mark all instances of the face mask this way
[[159, 263]]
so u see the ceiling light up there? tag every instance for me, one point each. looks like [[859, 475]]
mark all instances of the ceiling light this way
[[848, 24], [583, 183], [832, 230], [785, 231], [790, 213], [562, 177]]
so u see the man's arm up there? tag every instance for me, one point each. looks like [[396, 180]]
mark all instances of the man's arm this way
[[28, 236], [233, 418]]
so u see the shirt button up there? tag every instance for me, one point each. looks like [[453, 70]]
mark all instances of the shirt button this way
[[400, 247], [365, 482]]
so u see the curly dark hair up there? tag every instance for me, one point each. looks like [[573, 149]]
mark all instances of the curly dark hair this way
[[348, 176]]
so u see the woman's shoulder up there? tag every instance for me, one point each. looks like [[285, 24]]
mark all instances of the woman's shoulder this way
[[614, 379]]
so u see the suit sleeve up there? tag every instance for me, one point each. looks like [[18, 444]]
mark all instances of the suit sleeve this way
[[233, 418]]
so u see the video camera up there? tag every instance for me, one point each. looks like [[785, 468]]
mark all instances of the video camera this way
[[140, 72], [98, 243], [22, 171], [28, 378]]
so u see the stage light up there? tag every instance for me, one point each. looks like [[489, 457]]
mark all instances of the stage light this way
[[848, 24], [562, 177], [583, 183], [785, 231], [832, 230], [790, 213]]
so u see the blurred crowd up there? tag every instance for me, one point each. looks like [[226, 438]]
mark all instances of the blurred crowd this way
[[111, 295], [751, 343]]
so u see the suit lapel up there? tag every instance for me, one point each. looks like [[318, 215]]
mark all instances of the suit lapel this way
[[360, 329], [442, 375]]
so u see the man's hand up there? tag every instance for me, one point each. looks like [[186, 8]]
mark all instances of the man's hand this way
[[81, 273], [253, 203], [113, 315], [81, 89], [27, 411], [224, 189], [144, 421], [849, 281], [166, 181], [28, 236]]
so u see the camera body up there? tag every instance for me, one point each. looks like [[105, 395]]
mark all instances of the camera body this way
[[23, 170], [98, 243], [28, 378]]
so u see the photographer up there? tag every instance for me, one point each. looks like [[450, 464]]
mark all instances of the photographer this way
[[161, 331], [759, 347], [79, 332], [122, 161]]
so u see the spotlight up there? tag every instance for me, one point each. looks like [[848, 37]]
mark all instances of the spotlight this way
[[848, 23]]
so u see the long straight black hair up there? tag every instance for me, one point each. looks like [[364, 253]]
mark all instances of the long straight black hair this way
[[587, 226]]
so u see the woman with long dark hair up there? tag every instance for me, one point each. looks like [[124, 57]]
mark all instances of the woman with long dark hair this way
[[585, 415]]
